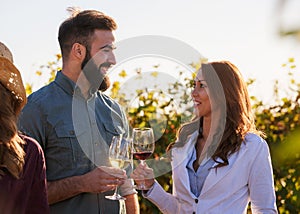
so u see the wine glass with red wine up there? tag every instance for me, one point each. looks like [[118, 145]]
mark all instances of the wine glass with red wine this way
[[143, 147]]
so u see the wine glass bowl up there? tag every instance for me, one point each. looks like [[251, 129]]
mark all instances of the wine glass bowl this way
[[119, 154], [143, 146]]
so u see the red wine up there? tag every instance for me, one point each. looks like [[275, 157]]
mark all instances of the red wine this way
[[141, 155]]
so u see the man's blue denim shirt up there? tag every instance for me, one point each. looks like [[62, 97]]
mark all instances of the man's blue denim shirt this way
[[75, 134]]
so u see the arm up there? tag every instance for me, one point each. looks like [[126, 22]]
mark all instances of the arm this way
[[261, 184], [30, 122], [166, 202], [35, 168], [127, 190], [99, 180], [132, 204]]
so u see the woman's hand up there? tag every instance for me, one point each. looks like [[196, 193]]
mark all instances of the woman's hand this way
[[143, 173]]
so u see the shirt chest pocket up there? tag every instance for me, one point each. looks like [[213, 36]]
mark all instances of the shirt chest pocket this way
[[112, 129], [71, 152]]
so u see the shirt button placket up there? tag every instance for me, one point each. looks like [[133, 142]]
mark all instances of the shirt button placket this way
[[196, 201]]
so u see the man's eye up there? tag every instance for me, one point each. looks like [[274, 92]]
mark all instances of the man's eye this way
[[106, 50]]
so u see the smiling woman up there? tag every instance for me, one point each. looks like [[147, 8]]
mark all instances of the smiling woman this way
[[219, 157]]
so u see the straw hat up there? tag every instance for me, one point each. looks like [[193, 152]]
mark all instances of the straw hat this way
[[10, 76]]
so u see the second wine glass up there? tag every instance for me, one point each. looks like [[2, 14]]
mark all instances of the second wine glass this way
[[119, 157], [143, 147]]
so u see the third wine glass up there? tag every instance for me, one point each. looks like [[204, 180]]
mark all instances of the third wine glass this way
[[143, 146]]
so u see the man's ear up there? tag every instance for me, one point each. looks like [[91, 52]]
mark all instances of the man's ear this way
[[78, 51]]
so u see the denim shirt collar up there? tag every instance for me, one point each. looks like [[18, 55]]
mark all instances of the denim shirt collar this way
[[69, 86], [65, 83]]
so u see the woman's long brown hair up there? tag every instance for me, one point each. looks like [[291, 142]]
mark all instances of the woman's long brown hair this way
[[11, 145], [239, 117]]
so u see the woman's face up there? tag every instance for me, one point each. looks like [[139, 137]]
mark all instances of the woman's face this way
[[200, 96]]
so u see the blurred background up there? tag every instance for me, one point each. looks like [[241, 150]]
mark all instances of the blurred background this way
[[261, 37]]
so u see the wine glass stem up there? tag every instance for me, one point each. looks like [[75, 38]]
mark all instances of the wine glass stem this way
[[116, 191], [142, 184]]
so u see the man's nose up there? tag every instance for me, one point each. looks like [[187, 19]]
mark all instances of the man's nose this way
[[112, 59]]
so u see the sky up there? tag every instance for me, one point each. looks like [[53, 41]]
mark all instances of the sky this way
[[244, 32]]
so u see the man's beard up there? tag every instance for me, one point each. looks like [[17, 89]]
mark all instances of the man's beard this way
[[105, 84], [93, 73]]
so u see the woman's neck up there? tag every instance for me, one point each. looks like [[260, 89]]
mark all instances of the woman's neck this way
[[206, 127], [201, 145]]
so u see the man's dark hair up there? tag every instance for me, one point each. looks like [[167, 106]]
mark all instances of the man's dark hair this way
[[80, 28]]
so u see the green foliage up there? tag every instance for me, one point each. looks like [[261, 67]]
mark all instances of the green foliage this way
[[48, 70], [280, 122]]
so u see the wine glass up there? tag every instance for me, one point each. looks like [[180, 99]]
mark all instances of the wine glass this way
[[120, 156], [143, 147]]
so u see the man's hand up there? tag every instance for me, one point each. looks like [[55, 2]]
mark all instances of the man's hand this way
[[99, 180], [103, 179]]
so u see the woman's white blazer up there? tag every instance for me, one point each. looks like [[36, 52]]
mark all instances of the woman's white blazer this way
[[228, 189]]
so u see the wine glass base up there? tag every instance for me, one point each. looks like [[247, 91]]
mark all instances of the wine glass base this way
[[115, 197]]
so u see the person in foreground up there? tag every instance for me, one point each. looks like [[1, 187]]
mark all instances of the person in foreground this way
[[23, 186], [75, 122], [219, 161]]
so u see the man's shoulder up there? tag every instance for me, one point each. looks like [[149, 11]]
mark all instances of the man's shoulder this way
[[41, 94]]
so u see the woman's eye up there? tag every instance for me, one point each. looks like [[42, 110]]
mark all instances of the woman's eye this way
[[198, 84], [202, 85], [194, 84]]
